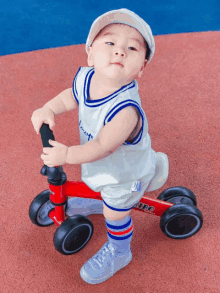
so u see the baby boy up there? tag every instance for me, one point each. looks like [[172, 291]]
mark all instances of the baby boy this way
[[115, 148]]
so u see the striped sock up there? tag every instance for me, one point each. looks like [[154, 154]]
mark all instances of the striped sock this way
[[120, 233]]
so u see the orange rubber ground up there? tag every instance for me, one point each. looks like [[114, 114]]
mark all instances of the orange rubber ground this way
[[180, 94]]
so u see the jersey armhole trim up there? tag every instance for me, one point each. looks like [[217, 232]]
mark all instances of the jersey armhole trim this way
[[74, 88], [117, 109]]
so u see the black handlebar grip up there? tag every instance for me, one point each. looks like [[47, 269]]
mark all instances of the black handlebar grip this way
[[46, 134]]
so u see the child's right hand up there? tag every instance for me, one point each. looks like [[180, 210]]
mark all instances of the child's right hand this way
[[40, 116]]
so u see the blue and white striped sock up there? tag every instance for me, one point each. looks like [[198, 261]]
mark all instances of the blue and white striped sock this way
[[120, 233]]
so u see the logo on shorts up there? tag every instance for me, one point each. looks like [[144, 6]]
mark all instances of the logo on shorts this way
[[136, 186]]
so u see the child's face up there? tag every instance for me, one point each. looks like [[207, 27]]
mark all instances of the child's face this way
[[118, 52]]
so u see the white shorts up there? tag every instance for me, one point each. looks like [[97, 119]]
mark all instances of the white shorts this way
[[125, 196]]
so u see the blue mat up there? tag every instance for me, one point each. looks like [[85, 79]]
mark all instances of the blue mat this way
[[28, 25]]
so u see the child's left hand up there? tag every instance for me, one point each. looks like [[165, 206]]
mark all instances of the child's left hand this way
[[55, 156]]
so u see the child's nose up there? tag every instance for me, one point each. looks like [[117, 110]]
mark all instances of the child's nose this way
[[120, 51]]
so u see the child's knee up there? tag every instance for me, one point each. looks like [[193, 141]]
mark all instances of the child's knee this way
[[114, 215]]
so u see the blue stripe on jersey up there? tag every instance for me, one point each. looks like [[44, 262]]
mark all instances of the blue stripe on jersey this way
[[100, 102], [136, 139], [74, 89], [91, 73], [119, 210], [121, 106], [86, 82]]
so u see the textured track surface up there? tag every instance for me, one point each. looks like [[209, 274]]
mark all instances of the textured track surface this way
[[180, 94]]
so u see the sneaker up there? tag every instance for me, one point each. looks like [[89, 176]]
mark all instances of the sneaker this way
[[104, 264], [83, 206]]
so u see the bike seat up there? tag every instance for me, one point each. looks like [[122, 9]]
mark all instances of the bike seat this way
[[161, 172]]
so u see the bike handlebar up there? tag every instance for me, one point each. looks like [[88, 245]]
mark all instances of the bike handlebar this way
[[46, 134]]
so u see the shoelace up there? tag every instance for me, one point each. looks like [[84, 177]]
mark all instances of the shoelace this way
[[101, 255]]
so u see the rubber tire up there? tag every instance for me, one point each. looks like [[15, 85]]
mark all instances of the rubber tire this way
[[35, 207], [73, 234], [178, 195], [190, 214]]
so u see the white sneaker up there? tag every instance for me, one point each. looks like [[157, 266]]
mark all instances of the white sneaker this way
[[104, 264], [83, 206]]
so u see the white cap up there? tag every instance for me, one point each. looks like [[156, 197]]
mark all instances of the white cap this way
[[124, 16]]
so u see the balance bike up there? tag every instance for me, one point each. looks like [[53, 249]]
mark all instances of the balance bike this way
[[180, 218]]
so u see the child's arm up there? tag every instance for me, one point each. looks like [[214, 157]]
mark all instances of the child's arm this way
[[110, 138], [63, 102]]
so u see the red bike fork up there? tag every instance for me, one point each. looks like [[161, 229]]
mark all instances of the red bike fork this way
[[58, 199]]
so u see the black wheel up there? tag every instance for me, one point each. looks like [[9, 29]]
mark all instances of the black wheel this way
[[73, 234], [178, 195], [181, 221], [40, 209]]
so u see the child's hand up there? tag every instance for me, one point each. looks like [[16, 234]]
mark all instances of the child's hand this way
[[40, 116], [55, 156]]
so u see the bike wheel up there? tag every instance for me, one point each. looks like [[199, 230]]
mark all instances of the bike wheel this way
[[40, 208], [181, 221], [73, 234]]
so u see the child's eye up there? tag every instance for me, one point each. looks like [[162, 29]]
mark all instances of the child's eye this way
[[110, 43], [132, 48]]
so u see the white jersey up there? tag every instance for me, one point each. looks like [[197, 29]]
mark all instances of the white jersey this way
[[133, 160]]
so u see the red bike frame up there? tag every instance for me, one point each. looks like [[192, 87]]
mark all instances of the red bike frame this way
[[59, 196]]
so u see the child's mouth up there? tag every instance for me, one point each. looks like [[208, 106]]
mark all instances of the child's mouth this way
[[118, 63]]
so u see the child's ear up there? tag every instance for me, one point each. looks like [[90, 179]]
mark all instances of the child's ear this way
[[142, 68], [90, 58]]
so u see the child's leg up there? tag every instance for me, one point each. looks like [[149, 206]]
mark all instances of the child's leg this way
[[115, 253], [113, 215], [119, 228]]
